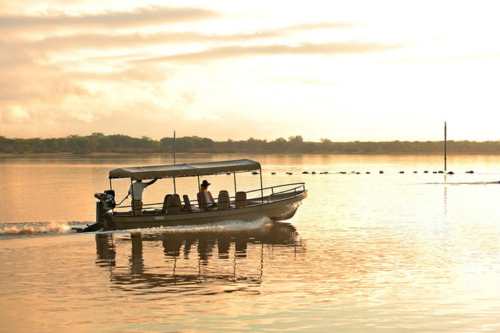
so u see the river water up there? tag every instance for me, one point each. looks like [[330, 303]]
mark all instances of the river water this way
[[373, 252]]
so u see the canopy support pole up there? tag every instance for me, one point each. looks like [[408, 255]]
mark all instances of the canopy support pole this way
[[261, 188], [132, 194], [199, 186], [110, 184], [234, 176], [175, 188]]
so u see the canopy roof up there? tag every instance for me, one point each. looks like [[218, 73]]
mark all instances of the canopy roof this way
[[184, 170]]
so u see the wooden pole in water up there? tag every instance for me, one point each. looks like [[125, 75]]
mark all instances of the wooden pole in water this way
[[173, 151], [445, 147], [173, 147]]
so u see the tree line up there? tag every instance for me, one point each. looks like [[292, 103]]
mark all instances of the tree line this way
[[100, 143]]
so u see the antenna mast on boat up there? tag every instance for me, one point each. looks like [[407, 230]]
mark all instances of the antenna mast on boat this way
[[445, 147]]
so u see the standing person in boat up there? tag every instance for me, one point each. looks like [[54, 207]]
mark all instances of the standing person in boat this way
[[136, 189], [206, 195]]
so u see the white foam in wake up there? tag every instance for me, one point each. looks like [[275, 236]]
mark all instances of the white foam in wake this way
[[33, 228], [216, 227]]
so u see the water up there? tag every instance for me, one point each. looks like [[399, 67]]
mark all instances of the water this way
[[370, 252]]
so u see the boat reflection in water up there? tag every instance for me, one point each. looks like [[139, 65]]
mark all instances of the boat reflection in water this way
[[195, 261]]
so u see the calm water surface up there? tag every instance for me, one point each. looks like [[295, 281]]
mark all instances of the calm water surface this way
[[370, 252]]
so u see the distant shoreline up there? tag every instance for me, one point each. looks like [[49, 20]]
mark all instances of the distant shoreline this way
[[180, 154], [99, 144]]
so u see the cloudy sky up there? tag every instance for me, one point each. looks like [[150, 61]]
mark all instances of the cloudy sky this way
[[343, 70]]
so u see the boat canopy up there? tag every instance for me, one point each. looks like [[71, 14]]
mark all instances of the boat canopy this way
[[184, 170]]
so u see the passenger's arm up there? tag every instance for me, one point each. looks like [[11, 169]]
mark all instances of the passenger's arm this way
[[151, 182], [211, 197]]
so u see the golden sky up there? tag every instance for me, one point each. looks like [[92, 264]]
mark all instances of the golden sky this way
[[343, 70]]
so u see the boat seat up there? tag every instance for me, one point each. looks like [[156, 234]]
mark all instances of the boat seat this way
[[165, 203], [174, 204], [223, 200], [202, 202], [241, 199], [187, 204]]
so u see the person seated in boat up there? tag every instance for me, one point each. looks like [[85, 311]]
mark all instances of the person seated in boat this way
[[136, 189], [206, 195]]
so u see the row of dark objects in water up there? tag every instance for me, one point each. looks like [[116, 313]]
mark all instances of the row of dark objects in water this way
[[381, 172], [402, 172]]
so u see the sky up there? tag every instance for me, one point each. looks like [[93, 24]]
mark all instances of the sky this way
[[230, 69]]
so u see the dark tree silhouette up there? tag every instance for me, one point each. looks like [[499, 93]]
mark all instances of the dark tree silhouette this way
[[101, 143]]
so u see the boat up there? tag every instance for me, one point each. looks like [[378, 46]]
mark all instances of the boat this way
[[278, 203]]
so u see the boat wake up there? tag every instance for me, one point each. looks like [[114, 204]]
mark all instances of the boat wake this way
[[20, 229], [230, 226], [36, 228]]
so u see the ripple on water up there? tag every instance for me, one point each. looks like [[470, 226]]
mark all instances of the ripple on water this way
[[364, 253]]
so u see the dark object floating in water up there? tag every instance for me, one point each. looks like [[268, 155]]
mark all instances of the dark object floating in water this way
[[343, 173], [368, 172], [289, 173], [451, 173], [426, 171], [381, 172], [305, 172], [323, 173], [313, 173], [255, 172], [358, 173], [273, 173], [440, 171], [470, 172], [401, 172], [434, 172], [415, 171]]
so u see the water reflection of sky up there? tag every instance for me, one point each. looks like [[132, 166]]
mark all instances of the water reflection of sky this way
[[370, 252]]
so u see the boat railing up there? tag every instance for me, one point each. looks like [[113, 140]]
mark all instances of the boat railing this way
[[254, 197], [293, 187]]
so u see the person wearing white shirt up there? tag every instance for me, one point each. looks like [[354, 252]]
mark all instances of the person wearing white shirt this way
[[136, 189], [209, 199]]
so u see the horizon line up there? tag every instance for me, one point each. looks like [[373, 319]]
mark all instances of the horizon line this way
[[144, 137]]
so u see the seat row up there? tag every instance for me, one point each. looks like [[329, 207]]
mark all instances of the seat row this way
[[172, 202]]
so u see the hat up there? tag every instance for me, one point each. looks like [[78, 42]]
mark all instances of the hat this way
[[204, 183]]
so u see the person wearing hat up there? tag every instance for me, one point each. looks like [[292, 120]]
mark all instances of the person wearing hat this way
[[209, 199]]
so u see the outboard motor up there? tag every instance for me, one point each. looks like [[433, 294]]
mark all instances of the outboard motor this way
[[106, 200], [105, 203], [103, 209], [109, 201]]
